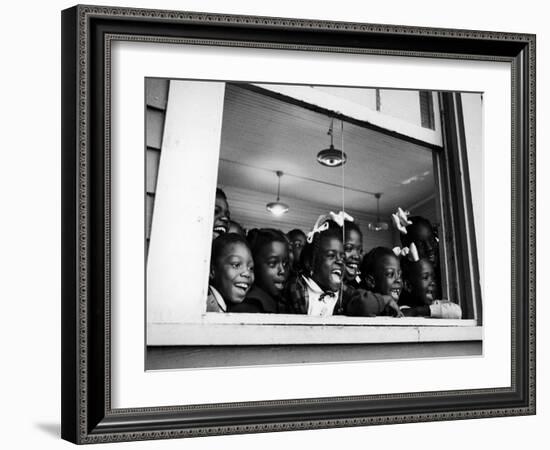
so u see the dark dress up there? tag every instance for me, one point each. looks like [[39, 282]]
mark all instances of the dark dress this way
[[259, 301], [353, 302], [361, 302]]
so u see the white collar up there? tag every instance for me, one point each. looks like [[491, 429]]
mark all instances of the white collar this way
[[315, 287], [319, 303], [219, 299]]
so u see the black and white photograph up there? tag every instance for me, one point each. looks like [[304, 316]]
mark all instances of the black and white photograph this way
[[291, 224], [283, 223], [275, 225]]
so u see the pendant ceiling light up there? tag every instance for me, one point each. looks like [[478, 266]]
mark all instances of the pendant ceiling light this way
[[331, 157], [378, 225], [277, 208]]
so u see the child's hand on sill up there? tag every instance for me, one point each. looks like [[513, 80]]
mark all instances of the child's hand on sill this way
[[392, 307], [445, 309]]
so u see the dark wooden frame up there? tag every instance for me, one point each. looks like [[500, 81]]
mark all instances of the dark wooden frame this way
[[87, 416]]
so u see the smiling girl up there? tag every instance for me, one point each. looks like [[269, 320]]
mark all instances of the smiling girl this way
[[382, 272], [420, 292], [381, 285], [271, 268], [353, 250], [317, 290], [221, 214], [231, 272]]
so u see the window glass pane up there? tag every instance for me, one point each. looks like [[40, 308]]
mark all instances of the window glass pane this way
[[263, 133]]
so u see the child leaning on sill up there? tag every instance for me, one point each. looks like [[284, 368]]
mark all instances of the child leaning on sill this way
[[319, 289], [419, 289], [380, 286]]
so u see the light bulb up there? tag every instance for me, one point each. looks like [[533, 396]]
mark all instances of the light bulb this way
[[277, 208]]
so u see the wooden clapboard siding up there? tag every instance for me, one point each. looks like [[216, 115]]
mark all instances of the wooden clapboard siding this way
[[152, 164], [149, 203], [156, 97], [155, 127], [156, 92]]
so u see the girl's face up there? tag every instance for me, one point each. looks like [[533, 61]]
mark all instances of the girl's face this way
[[329, 270], [233, 272], [422, 282], [353, 248], [272, 268], [424, 239], [387, 276], [297, 243], [221, 217]]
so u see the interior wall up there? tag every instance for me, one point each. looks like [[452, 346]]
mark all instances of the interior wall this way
[[426, 209], [249, 209]]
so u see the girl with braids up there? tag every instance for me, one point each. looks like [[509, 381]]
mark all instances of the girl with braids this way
[[319, 290], [420, 292], [271, 268], [380, 287], [419, 231]]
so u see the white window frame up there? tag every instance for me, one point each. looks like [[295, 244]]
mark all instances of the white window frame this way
[[176, 308]]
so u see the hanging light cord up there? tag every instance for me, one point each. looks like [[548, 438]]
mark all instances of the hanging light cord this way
[[343, 173], [341, 293], [279, 174]]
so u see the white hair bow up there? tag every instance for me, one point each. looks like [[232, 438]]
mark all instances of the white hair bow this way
[[401, 220], [322, 223], [410, 251], [341, 217]]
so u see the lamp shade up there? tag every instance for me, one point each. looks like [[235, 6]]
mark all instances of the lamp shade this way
[[331, 157], [379, 225], [277, 208]]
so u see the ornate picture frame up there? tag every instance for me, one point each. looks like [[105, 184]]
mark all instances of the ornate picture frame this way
[[88, 33]]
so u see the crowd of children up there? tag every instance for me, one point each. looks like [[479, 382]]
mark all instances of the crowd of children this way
[[325, 272]]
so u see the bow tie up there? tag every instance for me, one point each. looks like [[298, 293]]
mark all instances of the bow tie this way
[[326, 294]]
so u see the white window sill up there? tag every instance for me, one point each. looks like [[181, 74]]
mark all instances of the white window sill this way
[[283, 329]]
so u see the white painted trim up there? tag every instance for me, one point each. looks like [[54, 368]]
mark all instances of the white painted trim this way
[[463, 154], [182, 223], [280, 329], [302, 319], [356, 111]]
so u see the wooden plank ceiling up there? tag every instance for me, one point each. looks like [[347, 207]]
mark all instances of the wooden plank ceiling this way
[[262, 134]]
